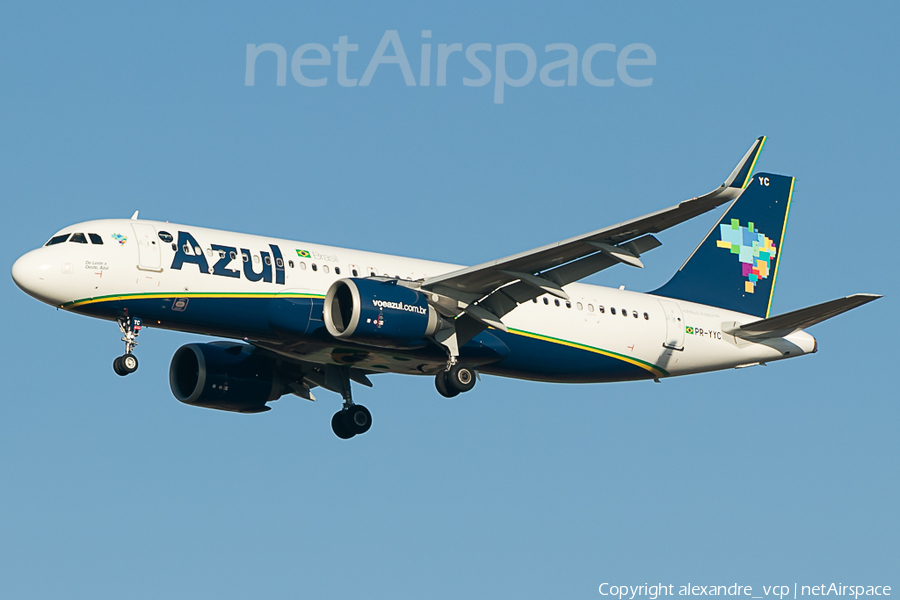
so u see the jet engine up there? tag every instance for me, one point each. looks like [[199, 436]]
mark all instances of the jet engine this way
[[224, 376], [379, 313]]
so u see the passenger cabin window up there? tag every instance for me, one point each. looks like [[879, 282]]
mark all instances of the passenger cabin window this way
[[601, 310], [556, 302], [579, 305], [314, 267], [625, 312], [590, 308], [302, 266], [58, 239], [95, 239], [612, 310], [646, 317], [337, 270], [568, 305], [634, 314], [78, 238], [534, 300], [325, 268], [355, 273], [291, 264], [546, 301]]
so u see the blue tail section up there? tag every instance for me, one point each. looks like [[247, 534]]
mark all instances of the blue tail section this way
[[735, 265]]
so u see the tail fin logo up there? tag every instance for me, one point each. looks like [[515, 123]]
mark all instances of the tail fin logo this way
[[755, 251]]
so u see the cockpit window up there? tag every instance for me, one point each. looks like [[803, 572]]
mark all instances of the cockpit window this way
[[59, 239], [78, 238], [95, 239]]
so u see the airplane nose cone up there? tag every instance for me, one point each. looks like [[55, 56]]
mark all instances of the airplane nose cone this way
[[31, 273], [21, 271]]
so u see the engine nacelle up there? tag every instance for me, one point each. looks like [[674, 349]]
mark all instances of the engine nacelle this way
[[379, 313], [224, 376]]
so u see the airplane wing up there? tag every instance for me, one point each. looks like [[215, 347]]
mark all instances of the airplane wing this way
[[484, 293]]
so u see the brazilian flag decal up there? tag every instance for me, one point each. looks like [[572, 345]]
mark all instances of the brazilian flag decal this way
[[689, 330], [303, 254]]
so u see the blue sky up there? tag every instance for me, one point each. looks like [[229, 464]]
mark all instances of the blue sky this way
[[110, 488]]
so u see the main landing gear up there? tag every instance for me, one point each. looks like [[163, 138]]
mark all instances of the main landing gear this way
[[353, 419], [128, 362], [454, 380]]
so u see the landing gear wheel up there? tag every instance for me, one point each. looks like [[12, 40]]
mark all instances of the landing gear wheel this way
[[118, 368], [440, 382], [358, 419], [340, 426], [460, 378], [129, 363]]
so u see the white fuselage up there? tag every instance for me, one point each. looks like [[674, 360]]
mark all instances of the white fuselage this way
[[665, 337]]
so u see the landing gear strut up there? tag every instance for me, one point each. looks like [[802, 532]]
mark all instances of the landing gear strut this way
[[128, 362], [454, 380]]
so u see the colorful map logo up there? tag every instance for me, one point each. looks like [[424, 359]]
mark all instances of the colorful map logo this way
[[755, 251], [119, 238]]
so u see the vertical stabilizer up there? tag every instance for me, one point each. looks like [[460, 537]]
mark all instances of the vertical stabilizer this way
[[735, 266]]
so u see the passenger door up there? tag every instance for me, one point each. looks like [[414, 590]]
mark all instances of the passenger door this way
[[674, 325], [149, 254]]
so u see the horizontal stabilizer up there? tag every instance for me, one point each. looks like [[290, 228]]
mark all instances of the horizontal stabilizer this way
[[803, 318]]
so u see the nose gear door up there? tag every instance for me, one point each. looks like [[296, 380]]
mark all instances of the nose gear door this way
[[149, 255], [674, 325]]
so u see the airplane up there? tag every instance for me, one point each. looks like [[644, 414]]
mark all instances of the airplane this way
[[302, 315]]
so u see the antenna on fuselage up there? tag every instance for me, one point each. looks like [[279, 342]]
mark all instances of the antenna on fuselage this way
[[134, 216]]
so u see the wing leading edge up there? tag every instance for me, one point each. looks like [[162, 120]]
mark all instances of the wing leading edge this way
[[479, 296], [484, 278]]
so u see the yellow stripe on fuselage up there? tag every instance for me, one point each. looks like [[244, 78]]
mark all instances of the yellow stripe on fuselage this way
[[155, 295], [653, 369]]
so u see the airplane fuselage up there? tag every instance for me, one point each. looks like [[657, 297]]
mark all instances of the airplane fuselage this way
[[271, 292]]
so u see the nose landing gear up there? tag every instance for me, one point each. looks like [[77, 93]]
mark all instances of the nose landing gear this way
[[128, 362]]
